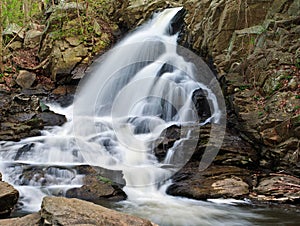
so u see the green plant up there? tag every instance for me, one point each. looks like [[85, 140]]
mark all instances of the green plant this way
[[244, 87], [257, 98], [277, 87], [297, 63], [14, 11], [260, 113], [104, 180], [286, 77], [297, 96]]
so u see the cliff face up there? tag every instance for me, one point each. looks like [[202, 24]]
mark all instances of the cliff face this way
[[254, 47]]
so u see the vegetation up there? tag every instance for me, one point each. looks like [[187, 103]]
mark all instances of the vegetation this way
[[87, 24]]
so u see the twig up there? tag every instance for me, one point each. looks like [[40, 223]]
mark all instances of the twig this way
[[43, 63]]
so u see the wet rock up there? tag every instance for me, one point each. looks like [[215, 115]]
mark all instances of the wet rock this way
[[166, 141], [214, 182], [51, 119], [23, 116], [63, 211], [97, 188], [8, 198], [60, 90], [25, 79], [23, 150], [133, 13], [201, 104]]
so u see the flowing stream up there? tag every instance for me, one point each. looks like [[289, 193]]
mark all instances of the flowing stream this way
[[136, 91]]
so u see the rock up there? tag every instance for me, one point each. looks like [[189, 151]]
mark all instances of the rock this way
[[231, 187], [25, 79], [13, 30], [8, 198], [32, 38], [97, 188], [60, 90], [68, 59], [166, 141], [73, 41], [214, 182], [278, 188], [201, 104], [51, 119], [23, 116], [63, 211], [69, 46], [28, 220], [15, 45]]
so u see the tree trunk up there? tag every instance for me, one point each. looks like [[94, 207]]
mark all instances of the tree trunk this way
[[1, 39], [26, 11]]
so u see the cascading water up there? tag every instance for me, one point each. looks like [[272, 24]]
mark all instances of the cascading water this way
[[140, 88]]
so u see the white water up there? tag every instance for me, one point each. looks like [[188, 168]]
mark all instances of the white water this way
[[120, 110]]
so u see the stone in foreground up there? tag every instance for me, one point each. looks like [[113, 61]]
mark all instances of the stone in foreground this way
[[64, 211], [8, 198]]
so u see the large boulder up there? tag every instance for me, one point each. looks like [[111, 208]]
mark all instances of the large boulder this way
[[63, 211], [8, 198]]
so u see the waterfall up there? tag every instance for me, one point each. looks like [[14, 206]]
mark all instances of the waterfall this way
[[132, 95]]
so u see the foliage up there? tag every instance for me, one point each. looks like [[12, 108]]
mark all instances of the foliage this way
[[104, 180], [13, 11]]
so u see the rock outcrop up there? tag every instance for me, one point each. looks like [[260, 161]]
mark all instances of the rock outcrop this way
[[75, 32], [65, 212], [25, 115]]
